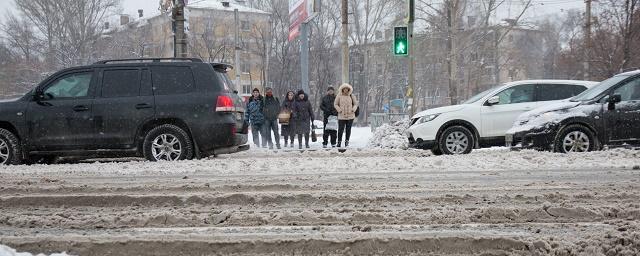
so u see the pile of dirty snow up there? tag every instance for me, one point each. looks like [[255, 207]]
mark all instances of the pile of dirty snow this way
[[8, 251], [390, 136]]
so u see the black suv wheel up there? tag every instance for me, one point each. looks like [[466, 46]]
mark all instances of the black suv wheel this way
[[9, 148], [456, 140], [167, 143], [574, 138]]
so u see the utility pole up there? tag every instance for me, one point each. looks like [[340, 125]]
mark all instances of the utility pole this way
[[179, 36], [345, 41], [587, 43], [236, 19], [304, 56], [412, 75]]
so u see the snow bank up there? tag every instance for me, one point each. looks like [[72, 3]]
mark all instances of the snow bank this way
[[390, 136], [8, 251]]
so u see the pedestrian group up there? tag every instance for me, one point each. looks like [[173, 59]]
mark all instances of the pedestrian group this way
[[295, 116]]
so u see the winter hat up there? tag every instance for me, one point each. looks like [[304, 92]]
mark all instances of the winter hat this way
[[330, 88], [300, 92]]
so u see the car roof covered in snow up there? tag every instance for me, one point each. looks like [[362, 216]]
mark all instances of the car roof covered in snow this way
[[630, 73], [553, 81]]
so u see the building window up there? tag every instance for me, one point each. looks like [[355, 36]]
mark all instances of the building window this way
[[245, 67], [245, 25], [246, 88]]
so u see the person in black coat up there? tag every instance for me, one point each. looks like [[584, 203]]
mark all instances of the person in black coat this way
[[271, 110], [328, 110], [302, 117], [287, 129]]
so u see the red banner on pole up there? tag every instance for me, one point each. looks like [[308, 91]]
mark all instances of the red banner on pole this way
[[298, 13]]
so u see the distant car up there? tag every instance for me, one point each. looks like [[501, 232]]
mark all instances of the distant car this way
[[483, 120], [161, 109], [607, 114]]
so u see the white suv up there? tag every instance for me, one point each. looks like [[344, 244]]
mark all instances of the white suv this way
[[483, 120]]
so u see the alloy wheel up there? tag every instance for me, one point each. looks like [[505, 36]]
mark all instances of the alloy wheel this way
[[4, 152], [166, 147], [576, 141]]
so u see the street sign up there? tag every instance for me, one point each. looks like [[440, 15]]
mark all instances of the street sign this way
[[400, 41]]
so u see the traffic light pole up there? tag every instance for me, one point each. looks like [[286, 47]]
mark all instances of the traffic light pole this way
[[411, 79], [304, 56]]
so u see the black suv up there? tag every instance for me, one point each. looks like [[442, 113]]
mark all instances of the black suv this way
[[607, 114], [162, 109]]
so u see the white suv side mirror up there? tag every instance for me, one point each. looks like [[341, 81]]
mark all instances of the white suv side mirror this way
[[493, 100]]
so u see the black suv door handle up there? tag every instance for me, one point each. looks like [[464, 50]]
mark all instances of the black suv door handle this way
[[143, 106], [80, 108]]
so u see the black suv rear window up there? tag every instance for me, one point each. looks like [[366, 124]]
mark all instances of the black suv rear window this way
[[121, 83], [172, 80]]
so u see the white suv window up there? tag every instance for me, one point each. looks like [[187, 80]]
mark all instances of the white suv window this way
[[517, 94]]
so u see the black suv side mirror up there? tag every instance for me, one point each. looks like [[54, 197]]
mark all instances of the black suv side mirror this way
[[38, 96], [613, 99], [616, 98]]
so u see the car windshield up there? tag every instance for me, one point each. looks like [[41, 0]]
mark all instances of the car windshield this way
[[479, 96], [593, 92]]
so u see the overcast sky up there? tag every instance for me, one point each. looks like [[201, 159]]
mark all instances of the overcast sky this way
[[539, 9]]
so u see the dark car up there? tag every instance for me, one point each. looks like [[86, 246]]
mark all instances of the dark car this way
[[605, 115], [161, 109]]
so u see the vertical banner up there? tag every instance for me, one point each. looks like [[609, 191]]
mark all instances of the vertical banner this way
[[298, 13]]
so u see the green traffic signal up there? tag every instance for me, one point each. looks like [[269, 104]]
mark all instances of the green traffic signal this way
[[400, 42]]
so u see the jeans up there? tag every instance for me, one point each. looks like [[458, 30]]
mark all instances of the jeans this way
[[328, 133], [258, 131], [269, 126], [342, 124]]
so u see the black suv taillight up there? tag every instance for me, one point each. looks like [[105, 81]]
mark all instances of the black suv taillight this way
[[225, 104]]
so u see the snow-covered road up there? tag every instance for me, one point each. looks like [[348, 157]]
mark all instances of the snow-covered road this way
[[364, 201]]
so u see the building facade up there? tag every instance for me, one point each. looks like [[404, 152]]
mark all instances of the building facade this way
[[210, 32]]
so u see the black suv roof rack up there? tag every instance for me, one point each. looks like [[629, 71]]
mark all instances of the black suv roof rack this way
[[150, 60]]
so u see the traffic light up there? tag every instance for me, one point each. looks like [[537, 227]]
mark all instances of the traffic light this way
[[400, 41]]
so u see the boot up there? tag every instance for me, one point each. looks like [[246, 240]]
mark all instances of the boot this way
[[339, 144], [286, 143], [346, 144]]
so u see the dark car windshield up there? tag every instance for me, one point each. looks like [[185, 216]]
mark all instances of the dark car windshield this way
[[593, 92], [480, 95]]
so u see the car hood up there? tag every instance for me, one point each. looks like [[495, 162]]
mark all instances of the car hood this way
[[440, 110], [549, 108], [553, 114], [9, 100]]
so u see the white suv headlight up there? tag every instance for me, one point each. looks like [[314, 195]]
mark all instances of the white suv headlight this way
[[427, 118]]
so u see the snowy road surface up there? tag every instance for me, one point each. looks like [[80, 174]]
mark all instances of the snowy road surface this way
[[369, 202]]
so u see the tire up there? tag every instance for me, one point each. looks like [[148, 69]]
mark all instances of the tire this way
[[574, 138], [167, 143], [456, 140], [436, 151], [10, 150]]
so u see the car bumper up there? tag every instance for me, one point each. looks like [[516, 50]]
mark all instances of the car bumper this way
[[540, 140], [422, 136], [421, 144]]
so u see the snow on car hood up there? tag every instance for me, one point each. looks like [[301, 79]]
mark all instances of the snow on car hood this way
[[440, 110], [552, 114], [548, 108], [9, 100]]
